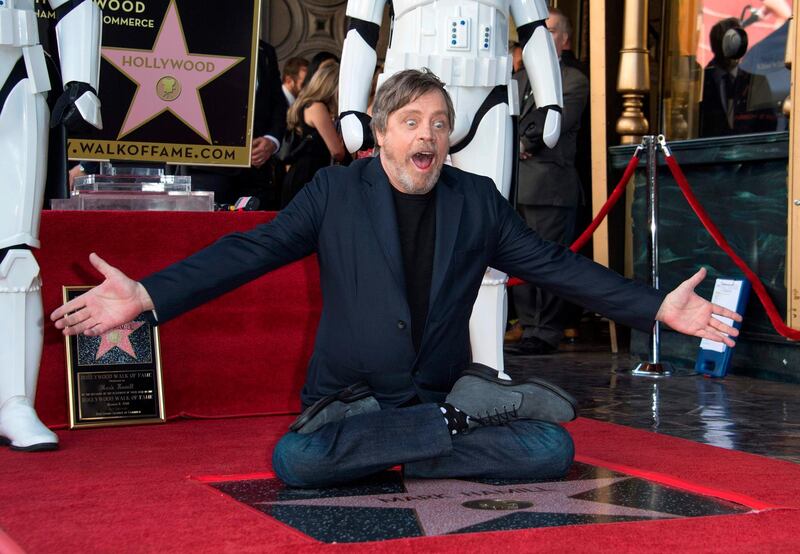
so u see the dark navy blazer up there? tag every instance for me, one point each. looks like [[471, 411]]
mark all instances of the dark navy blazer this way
[[346, 216]]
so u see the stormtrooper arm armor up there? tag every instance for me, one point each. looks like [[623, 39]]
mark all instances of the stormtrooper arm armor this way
[[355, 73], [541, 63], [78, 31]]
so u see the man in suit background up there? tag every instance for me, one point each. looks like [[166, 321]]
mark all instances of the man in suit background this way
[[548, 192], [269, 126], [403, 242], [294, 73], [734, 101]]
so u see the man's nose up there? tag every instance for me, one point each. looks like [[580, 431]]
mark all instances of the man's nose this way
[[425, 131]]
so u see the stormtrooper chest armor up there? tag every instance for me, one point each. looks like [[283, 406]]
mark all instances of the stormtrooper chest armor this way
[[463, 43]]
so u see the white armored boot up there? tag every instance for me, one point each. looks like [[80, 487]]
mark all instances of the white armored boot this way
[[21, 338]]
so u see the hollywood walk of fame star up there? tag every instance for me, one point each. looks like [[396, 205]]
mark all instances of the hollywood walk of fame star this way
[[168, 77], [439, 504], [118, 337]]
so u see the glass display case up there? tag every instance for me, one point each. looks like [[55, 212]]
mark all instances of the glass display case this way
[[135, 188]]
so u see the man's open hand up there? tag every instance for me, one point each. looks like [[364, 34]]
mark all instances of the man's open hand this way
[[683, 310], [117, 300]]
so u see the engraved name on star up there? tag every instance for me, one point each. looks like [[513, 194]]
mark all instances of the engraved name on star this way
[[440, 510], [168, 77], [119, 337]]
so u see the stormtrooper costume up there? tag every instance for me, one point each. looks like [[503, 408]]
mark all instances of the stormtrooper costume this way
[[465, 44], [24, 120]]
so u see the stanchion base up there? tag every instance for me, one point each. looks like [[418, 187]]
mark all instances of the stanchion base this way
[[651, 369]]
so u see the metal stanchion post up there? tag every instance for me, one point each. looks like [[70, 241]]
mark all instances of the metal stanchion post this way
[[655, 367]]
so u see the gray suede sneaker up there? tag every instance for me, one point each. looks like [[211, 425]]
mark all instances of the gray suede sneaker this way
[[355, 399], [488, 400]]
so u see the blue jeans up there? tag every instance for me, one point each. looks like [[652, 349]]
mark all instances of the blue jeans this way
[[417, 437]]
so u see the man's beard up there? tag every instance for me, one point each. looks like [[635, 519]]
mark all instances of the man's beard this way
[[406, 180], [408, 186]]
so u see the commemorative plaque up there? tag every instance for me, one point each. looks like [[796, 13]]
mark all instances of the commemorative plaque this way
[[115, 378]]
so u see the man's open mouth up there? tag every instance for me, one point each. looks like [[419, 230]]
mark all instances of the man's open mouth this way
[[422, 160]]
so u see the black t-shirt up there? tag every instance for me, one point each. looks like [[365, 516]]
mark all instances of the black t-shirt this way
[[416, 221]]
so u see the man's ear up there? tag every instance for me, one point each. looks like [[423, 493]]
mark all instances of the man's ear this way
[[378, 137]]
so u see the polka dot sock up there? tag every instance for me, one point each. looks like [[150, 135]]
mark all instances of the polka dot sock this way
[[456, 420]]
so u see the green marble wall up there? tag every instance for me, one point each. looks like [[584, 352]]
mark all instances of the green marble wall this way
[[741, 182]]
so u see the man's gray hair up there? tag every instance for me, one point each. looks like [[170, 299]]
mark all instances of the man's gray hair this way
[[564, 22], [403, 88]]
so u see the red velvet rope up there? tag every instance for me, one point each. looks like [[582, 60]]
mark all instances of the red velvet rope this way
[[612, 200], [598, 219], [761, 291]]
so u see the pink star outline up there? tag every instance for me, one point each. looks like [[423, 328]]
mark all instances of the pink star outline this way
[[118, 337], [170, 44], [439, 504]]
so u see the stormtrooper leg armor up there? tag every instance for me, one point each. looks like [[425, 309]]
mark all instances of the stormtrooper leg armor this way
[[21, 325], [488, 113]]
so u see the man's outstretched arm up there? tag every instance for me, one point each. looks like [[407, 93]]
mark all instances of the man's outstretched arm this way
[[685, 311], [117, 300]]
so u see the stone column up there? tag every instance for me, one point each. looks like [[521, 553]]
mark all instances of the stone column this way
[[634, 73]]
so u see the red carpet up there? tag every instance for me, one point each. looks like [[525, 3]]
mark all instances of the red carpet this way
[[132, 490]]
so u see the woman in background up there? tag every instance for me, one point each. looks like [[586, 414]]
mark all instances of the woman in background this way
[[312, 118]]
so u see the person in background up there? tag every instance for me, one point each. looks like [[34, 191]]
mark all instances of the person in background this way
[[583, 164], [294, 73], [515, 49], [549, 192], [79, 169], [732, 97], [312, 118]]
